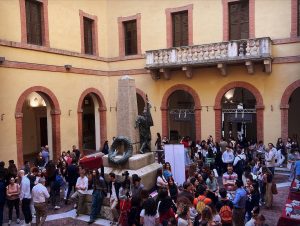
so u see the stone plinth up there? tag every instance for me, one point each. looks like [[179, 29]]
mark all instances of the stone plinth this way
[[127, 111]]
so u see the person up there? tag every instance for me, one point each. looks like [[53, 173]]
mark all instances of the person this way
[[125, 202], [12, 170], [161, 182], [173, 190], [281, 152], [239, 204], [229, 179], [55, 189], [25, 197], [99, 193], [187, 191], [165, 206], [32, 178], [72, 175], [270, 157], [105, 148], [239, 163], [114, 187], [252, 200], [207, 217], [13, 199], [81, 187], [134, 213], [227, 156], [254, 214], [77, 153], [184, 217], [137, 186], [223, 145], [187, 150], [158, 142], [26, 167], [224, 207], [45, 154], [39, 196], [212, 183], [167, 172], [292, 157], [149, 215], [2, 197], [267, 183]]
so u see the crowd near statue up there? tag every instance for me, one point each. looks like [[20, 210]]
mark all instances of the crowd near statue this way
[[144, 122]]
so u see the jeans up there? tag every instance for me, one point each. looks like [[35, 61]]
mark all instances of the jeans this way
[[26, 210], [71, 185], [272, 169], [97, 199], [11, 204], [54, 194], [1, 212]]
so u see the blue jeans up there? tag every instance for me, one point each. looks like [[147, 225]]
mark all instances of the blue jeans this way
[[97, 199]]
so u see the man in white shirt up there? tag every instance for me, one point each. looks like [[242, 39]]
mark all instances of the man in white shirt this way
[[25, 197], [270, 157], [227, 157], [81, 186], [39, 196]]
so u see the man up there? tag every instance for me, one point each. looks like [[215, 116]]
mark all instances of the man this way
[[39, 196], [81, 187], [137, 186], [227, 156], [223, 145], [45, 154], [239, 163], [114, 188], [239, 204], [76, 152], [270, 157], [187, 191], [26, 167], [229, 179], [72, 175], [25, 197]]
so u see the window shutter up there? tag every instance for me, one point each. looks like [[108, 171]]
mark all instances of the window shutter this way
[[34, 22], [88, 36], [239, 20], [130, 35], [180, 29]]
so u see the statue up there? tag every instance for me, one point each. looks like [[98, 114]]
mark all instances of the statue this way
[[144, 122], [120, 150]]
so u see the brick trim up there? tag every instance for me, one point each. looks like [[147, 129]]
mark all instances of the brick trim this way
[[285, 40], [94, 31], [121, 20], [169, 30], [284, 60], [284, 106], [67, 52], [294, 18], [102, 111], [45, 23], [259, 108], [164, 108], [226, 19], [55, 114]]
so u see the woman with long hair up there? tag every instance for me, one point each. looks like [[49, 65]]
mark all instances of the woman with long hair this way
[[173, 189], [149, 215], [161, 182], [165, 207], [252, 200], [167, 171], [13, 200], [267, 182]]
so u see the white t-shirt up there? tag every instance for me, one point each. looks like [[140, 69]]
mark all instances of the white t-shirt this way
[[182, 222], [149, 220]]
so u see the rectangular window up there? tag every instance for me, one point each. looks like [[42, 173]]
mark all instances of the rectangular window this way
[[180, 29], [239, 20], [88, 35], [34, 22], [130, 34]]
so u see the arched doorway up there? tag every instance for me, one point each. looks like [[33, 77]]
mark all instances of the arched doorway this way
[[91, 120], [181, 113], [37, 123], [141, 100], [290, 110], [240, 115]]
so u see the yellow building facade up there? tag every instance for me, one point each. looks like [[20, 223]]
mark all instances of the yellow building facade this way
[[54, 92]]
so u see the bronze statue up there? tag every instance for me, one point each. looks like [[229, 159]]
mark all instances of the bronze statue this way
[[144, 122]]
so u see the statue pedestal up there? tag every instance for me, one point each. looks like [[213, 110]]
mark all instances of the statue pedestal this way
[[143, 165]]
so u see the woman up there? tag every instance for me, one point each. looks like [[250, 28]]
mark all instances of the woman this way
[[105, 148], [216, 217], [173, 190], [149, 215], [207, 217], [281, 154], [134, 213], [252, 200], [161, 182], [288, 145], [184, 217], [187, 150], [158, 142], [212, 183], [292, 158], [165, 207], [125, 204], [167, 172], [13, 200], [267, 183]]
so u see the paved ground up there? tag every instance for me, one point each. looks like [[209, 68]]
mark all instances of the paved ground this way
[[66, 215]]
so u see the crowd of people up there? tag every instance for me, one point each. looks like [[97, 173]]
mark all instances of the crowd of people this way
[[228, 184]]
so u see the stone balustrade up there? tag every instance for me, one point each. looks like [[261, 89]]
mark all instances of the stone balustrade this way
[[245, 51]]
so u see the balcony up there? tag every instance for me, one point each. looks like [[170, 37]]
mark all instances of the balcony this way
[[186, 58]]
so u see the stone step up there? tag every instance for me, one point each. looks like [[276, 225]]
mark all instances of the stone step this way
[[282, 169]]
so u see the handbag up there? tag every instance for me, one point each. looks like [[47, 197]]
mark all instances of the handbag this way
[[274, 189]]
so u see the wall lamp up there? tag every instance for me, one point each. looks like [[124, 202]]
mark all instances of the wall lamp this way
[[68, 67], [2, 117], [2, 59], [272, 109]]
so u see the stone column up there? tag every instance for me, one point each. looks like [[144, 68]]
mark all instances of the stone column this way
[[127, 111]]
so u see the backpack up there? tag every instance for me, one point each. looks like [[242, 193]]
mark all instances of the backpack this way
[[240, 166], [200, 205], [226, 214]]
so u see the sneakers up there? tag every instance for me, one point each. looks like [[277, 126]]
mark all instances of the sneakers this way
[[18, 221], [91, 221], [56, 207]]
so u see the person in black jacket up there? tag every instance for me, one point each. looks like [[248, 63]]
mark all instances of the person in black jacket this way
[[2, 197], [114, 187], [252, 200], [72, 175]]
